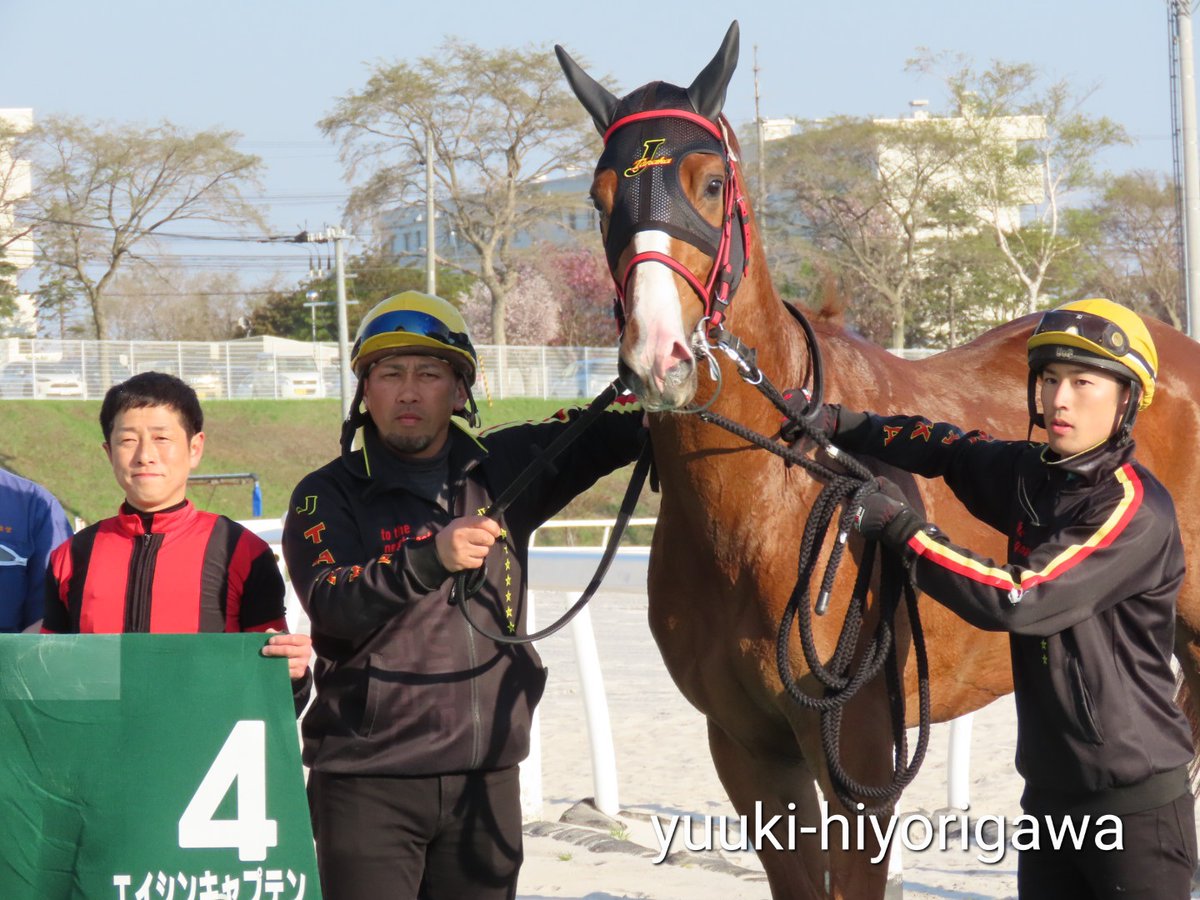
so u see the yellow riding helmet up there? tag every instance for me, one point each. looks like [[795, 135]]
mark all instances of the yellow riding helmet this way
[[416, 322], [1100, 333]]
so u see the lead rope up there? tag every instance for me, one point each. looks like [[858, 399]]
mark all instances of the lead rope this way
[[840, 682], [465, 586]]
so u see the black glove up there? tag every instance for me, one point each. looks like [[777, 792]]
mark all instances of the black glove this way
[[830, 420], [884, 515]]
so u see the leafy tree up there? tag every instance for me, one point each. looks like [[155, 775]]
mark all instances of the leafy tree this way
[[1025, 146], [864, 194], [372, 276], [105, 191], [500, 122], [56, 297], [8, 287]]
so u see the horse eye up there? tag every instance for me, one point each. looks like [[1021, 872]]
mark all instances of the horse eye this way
[[714, 188]]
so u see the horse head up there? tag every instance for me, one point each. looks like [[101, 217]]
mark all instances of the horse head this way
[[673, 219]]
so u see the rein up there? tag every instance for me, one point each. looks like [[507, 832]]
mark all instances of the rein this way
[[466, 587]]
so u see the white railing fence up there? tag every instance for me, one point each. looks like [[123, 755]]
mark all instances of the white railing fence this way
[[267, 368], [270, 368]]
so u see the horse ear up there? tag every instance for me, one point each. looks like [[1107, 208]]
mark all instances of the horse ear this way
[[707, 92], [595, 97]]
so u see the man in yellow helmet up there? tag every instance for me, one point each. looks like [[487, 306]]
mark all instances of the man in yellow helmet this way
[[419, 722], [1087, 596]]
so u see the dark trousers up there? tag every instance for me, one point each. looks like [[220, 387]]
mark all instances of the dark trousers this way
[[448, 837], [1156, 863]]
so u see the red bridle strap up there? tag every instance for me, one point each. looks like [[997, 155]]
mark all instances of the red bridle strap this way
[[666, 114]]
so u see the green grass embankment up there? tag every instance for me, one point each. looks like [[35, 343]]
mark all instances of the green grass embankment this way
[[57, 443]]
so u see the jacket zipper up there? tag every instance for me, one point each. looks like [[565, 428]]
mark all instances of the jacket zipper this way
[[139, 590], [453, 503]]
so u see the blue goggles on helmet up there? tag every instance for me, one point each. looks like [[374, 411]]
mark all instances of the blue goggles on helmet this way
[[411, 321]]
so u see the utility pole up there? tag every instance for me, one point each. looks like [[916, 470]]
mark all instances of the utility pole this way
[[761, 208], [430, 229], [338, 236], [1182, 15]]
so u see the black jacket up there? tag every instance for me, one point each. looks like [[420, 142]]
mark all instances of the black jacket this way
[[404, 685], [1095, 562]]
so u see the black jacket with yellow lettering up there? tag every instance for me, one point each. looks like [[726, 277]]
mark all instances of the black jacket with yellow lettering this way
[[404, 685], [1087, 595]]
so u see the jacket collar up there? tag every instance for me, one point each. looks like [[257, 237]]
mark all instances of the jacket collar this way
[[132, 521], [374, 464], [1091, 466]]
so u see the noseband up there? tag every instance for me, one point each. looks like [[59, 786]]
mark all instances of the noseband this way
[[650, 197]]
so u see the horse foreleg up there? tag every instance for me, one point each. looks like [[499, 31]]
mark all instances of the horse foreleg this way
[[785, 787], [1187, 651]]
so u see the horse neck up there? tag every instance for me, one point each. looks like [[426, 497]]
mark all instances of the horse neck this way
[[692, 455]]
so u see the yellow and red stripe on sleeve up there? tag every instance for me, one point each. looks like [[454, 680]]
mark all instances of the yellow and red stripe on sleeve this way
[[969, 567]]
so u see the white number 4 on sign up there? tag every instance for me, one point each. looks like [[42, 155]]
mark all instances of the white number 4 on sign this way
[[243, 759]]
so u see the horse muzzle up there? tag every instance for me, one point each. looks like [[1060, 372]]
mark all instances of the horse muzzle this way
[[673, 389]]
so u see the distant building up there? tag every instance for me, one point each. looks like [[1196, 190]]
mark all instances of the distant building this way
[[15, 183], [405, 225]]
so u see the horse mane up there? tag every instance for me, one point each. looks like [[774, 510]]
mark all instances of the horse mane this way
[[830, 306]]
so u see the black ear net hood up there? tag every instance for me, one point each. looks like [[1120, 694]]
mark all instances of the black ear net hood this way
[[646, 150]]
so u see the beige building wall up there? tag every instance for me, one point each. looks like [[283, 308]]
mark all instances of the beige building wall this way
[[15, 182]]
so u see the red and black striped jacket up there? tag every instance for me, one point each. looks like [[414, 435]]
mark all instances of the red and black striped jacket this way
[[1087, 595], [177, 571]]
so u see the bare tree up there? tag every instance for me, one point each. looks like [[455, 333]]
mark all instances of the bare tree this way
[[1136, 256], [170, 303], [500, 122], [103, 192], [1025, 147]]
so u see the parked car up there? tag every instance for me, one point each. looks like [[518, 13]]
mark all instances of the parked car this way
[[40, 380], [206, 384], [585, 378], [282, 377]]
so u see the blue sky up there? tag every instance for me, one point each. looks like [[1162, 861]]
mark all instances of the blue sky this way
[[270, 70]]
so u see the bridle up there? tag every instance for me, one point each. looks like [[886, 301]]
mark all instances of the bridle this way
[[731, 258]]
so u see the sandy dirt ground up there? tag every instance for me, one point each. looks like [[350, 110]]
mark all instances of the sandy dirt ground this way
[[664, 769]]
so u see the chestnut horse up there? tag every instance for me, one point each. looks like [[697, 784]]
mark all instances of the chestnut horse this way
[[723, 562]]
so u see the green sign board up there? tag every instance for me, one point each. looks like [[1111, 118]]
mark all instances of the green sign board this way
[[150, 767]]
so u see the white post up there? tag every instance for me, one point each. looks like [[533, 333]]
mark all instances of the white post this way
[[430, 220], [339, 237], [595, 704], [1191, 163], [958, 764], [531, 767], [894, 890]]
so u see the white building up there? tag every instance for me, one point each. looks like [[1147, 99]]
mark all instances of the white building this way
[[1005, 132], [15, 183]]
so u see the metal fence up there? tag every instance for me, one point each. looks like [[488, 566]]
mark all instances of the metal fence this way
[[272, 368], [278, 368]]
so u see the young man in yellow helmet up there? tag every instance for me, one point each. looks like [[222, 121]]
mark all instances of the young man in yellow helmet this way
[[1087, 595], [419, 722]]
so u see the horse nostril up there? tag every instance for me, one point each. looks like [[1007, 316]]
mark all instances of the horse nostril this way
[[679, 373]]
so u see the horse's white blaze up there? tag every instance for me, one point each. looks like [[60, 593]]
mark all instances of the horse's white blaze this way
[[656, 308]]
